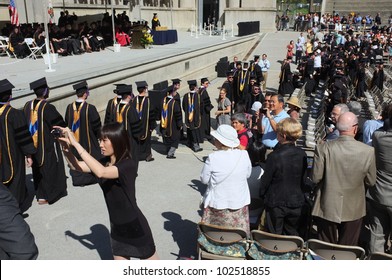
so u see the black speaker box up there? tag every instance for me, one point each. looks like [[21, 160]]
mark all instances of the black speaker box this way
[[222, 68]]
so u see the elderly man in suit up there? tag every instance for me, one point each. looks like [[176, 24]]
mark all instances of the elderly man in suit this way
[[342, 177], [380, 197]]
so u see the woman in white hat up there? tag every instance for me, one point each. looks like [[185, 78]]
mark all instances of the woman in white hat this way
[[226, 171], [294, 107]]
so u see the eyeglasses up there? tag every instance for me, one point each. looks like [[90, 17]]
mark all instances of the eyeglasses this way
[[256, 88]]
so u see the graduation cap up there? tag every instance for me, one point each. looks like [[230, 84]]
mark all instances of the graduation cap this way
[[256, 57], [203, 80], [5, 88], [192, 82], [40, 87], [229, 73], [246, 64], [154, 14], [238, 63], [141, 84], [117, 87], [176, 81], [124, 90], [40, 83], [80, 87]]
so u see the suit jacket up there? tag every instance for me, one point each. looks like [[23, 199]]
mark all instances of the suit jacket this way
[[382, 143], [342, 169]]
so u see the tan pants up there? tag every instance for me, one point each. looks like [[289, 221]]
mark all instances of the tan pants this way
[[265, 76]]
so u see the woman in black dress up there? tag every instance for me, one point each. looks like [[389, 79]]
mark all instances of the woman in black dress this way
[[130, 233]]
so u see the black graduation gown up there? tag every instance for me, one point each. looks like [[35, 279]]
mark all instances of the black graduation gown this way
[[110, 113], [133, 126], [255, 70], [206, 107], [172, 132], [48, 164], [286, 86], [193, 127], [146, 114], [252, 98], [361, 83], [90, 125], [241, 85], [15, 144]]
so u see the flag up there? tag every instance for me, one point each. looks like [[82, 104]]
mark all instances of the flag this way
[[13, 13], [50, 12]]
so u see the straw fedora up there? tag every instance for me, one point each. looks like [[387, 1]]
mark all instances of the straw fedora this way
[[227, 135], [294, 101]]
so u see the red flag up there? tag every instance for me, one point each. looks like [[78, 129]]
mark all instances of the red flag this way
[[13, 13]]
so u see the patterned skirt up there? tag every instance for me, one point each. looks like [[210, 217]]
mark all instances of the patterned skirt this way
[[228, 218]]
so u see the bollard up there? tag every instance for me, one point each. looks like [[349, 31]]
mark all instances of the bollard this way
[[224, 35]]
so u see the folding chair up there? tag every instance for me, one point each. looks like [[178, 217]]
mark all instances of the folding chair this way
[[329, 251], [4, 45], [275, 246], [221, 243], [34, 49], [380, 256]]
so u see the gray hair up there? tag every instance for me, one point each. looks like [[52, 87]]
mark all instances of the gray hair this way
[[343, 108], [240, 117], [355, 107]]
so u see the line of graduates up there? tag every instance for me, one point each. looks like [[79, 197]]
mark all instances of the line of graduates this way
[[26, 136], [243, 85]]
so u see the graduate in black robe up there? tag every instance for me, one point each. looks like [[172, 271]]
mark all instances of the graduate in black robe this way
[[110, 113], [84, 121], [16, 145], [146, 113], [171, 122], [286, 86], [241, 83], [206, 107], [361, 81], [48, 165], [191, 106], [128, 116], [176, 86], [254, 96], [255, 69]]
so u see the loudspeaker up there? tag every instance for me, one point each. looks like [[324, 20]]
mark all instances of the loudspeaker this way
[[222, 68], [224, 59], [156, 98]]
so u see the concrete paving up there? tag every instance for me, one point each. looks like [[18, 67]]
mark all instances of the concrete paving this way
[[168, 191]]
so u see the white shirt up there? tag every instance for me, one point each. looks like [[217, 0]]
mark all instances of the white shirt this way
[[226, 174], [317, 61]]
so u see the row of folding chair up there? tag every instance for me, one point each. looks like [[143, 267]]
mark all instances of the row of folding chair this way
[[375, 99], [225, 243], [315, 125]]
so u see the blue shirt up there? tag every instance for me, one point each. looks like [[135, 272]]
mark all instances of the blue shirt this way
[[369, 127], [264, 65], [269, 138]]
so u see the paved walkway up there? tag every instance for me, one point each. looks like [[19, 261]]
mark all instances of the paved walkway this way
[[168, 191]]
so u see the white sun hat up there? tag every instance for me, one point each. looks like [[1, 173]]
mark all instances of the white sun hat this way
[[227, 135]]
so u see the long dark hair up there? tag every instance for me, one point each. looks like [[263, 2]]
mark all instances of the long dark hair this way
[[116, 133]]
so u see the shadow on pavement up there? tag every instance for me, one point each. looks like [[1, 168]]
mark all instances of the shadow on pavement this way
[[98, 240], [184, 233]]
